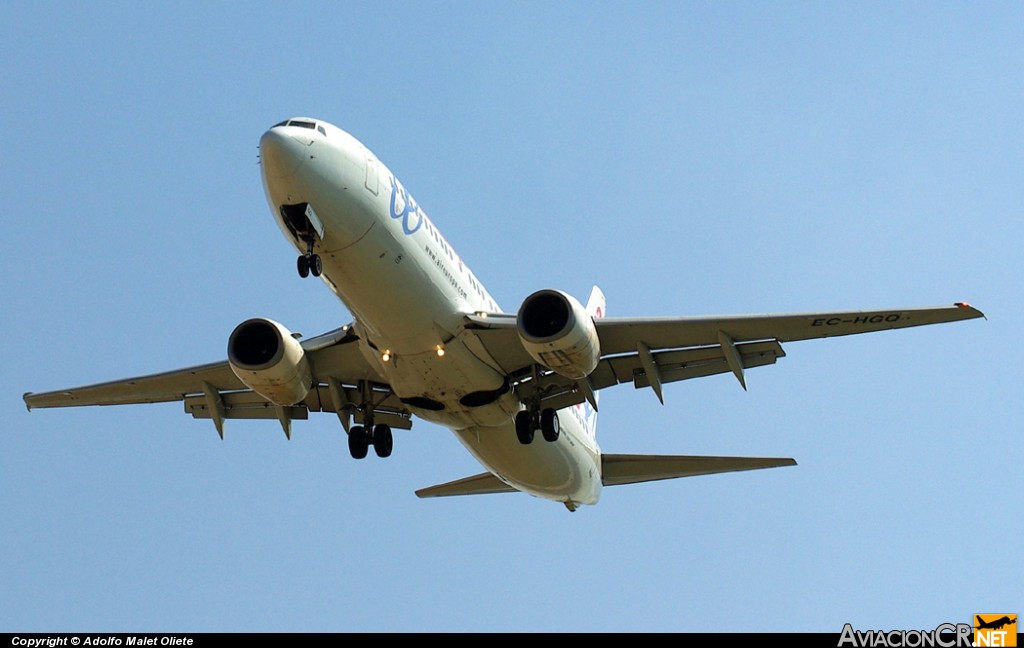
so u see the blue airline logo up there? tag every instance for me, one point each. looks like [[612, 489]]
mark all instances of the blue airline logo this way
[[404, 206]]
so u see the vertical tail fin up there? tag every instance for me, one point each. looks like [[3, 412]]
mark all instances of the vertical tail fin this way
[[596, 309], [596, 303]]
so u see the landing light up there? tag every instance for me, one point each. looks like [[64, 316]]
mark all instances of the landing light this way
[[440, 351], [386, 356]]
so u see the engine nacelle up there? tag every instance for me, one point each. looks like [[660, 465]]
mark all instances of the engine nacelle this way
[[265, 356], [558, 333]]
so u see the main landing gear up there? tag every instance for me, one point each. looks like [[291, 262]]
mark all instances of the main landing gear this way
[[360, 439], [530, 420], [309, 263]]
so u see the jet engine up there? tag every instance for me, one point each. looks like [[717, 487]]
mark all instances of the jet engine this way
[[265, 356], [557, 332]]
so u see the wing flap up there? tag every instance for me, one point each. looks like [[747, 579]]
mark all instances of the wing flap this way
[[672, 366], [265, 410], [685, 364], [386, 406], [482, 484], [242, 405], [632, 469]]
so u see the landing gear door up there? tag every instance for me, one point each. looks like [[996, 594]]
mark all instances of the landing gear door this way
[[371, 175], [315, 221]]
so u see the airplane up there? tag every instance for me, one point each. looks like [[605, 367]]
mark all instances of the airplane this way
[[428, 341], [994, 624]]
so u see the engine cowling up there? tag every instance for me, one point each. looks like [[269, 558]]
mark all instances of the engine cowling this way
[[265, 356], [557, 332]]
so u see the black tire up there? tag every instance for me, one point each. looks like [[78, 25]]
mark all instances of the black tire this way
[[524, 427], [357, 445], [303, 266], [383, 442], [316, 266], [549, 426]]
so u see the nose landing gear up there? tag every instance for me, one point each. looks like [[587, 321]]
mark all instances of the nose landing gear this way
[[310, 263], [305, 225]]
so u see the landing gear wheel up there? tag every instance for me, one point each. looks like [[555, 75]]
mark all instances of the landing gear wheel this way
[[524, 427], [549, 425], [383, 442], [303, 266], [316, 266], [357, 442]]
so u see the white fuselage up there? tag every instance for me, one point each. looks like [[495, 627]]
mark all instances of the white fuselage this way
[[409, 293]]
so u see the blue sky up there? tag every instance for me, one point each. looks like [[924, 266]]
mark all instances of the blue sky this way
[[690, 158]]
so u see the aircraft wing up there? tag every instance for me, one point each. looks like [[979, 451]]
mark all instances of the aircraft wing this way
[[653, 351], [621, 334], [213, 391], [156, 388]]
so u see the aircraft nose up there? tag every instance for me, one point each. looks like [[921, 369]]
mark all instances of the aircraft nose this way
[[280, 153]]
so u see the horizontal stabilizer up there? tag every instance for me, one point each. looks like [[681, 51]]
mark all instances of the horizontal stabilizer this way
[[482, 484], [631, 469]]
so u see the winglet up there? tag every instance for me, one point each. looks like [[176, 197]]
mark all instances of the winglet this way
[[24, 397], [972, 308]]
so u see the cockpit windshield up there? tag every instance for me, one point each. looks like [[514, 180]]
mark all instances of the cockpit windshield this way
[[302, 123]]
